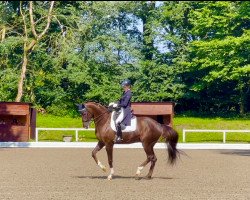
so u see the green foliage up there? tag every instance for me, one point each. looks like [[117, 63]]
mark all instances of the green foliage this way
[[155, 82], [219, 58], [194, 53]]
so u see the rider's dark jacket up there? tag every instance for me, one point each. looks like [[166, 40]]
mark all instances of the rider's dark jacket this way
[[125, 102]]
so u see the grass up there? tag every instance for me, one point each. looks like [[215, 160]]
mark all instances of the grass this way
[[180, 123], [50, 121]]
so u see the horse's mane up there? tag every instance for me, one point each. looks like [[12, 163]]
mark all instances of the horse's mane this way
[[98, 103]]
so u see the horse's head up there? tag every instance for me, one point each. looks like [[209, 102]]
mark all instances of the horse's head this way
[[91, 110], [86, 115]]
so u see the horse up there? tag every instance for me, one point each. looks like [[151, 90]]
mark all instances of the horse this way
[[148, 132]]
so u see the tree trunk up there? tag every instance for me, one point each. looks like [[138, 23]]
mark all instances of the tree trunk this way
[[22, 76], [148, 42], [242, 102], [3, 34], [28, 48]]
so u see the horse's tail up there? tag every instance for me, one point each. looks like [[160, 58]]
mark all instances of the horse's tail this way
[[171, 139]]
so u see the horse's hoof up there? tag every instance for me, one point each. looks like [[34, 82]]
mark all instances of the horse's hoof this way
[[148, 177], [109, 177], [104, 169]]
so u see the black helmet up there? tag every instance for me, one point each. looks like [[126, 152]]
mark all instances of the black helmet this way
[[126, 82]]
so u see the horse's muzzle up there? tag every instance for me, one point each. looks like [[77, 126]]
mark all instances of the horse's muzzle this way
[[86, 124]]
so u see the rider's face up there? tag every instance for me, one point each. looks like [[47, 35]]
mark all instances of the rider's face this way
[[126, 88]]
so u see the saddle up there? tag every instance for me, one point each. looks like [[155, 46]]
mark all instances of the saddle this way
[[120, 114]]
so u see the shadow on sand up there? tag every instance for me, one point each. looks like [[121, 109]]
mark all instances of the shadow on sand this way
[[236, 152], [122, 177]]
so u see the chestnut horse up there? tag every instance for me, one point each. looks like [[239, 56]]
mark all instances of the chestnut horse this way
[[148, 132]]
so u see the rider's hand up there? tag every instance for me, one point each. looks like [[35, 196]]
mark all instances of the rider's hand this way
[[111, 104]]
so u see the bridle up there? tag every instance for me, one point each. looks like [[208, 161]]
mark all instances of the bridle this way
[[95, 118]]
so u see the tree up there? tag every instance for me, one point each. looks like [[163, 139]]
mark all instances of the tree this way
[[194, 53], [218, 60], [28, 46]]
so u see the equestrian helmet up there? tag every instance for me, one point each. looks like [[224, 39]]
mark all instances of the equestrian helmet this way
[[126, 82]]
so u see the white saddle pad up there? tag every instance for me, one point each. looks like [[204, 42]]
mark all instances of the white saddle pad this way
[[130, 128]]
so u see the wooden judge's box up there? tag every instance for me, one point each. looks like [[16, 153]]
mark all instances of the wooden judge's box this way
[[17, 122], [162, 112]]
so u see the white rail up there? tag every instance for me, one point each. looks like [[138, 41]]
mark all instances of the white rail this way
[[184, 131], [63, 129], [216, 131], [133, 146]]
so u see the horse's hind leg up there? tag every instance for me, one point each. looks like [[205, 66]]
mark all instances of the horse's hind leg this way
[[98, 147], [150, 157], [139, 169], [153, 160]]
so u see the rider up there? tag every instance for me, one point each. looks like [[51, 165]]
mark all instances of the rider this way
[[125, 103]]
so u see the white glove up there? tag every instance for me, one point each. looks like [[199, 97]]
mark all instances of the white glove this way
[[112, 103], [115, 105]]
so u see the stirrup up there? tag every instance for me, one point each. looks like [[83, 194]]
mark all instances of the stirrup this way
[[118, 139]]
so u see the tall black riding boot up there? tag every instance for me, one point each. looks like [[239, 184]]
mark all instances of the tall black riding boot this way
[[119, 133]]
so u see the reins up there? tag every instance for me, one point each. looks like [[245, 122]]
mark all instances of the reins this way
[[95, 118], [99, 116]]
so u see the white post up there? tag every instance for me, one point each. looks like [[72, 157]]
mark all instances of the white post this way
[[224, 136], [36, 135], [76, 135], [184, 135]]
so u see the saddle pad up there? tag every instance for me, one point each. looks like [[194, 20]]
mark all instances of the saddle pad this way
[[130, 128]]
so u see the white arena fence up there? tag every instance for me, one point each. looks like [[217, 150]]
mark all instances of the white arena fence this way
[[62, 129], [78, 144], [213, 131], [184, 132]]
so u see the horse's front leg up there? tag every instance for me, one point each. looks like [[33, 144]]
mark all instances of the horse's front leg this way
[[98, 147], [109, 149]]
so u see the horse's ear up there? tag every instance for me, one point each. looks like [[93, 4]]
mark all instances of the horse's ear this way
[[80, 106]]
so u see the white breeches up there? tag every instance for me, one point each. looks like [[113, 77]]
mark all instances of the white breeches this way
[[120, 117]]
